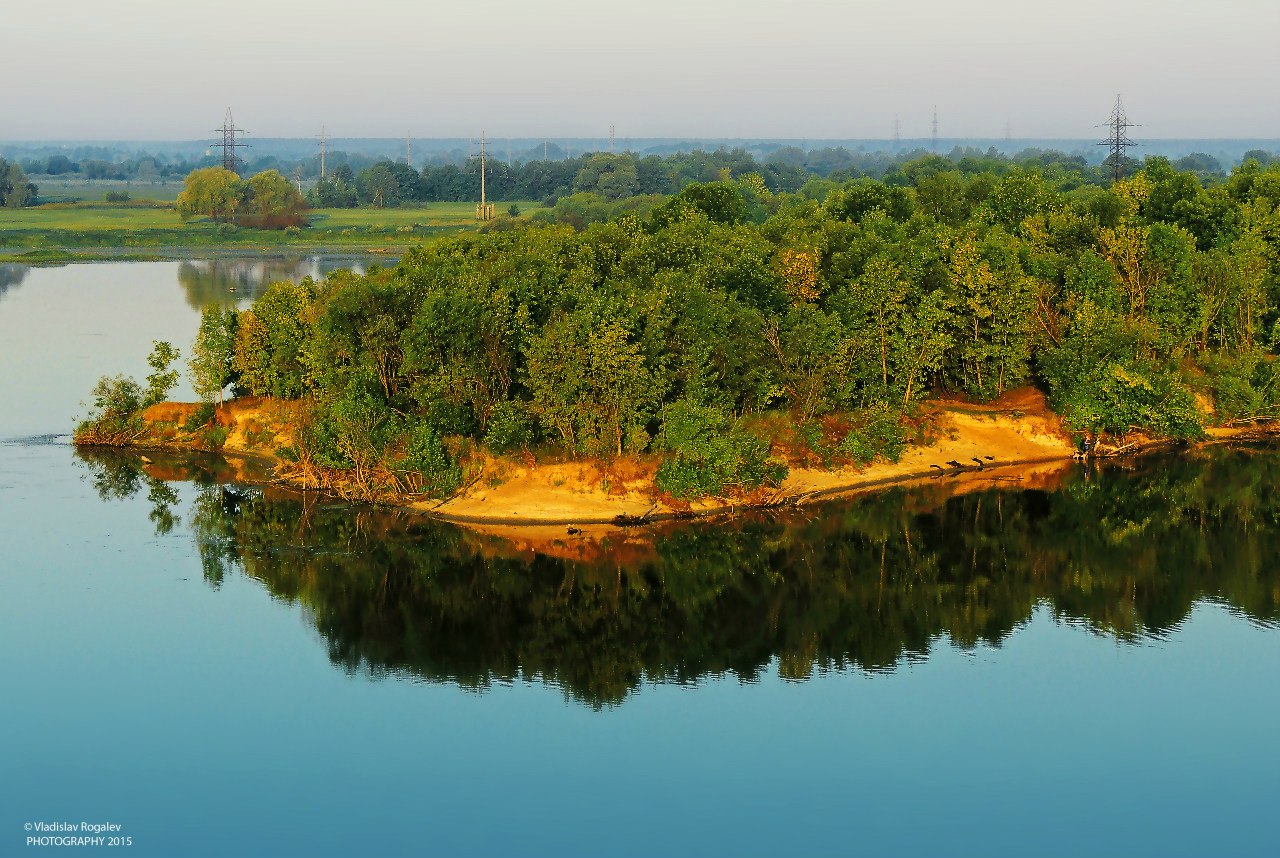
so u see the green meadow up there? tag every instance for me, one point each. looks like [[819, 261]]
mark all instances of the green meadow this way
[[77, 231]]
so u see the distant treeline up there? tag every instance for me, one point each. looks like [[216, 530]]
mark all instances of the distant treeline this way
[[614, 177], [455, 176]]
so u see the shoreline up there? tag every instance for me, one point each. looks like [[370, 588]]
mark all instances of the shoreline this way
[[1017, 441]]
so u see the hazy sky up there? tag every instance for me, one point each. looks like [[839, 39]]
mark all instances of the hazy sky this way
[[167, 69]]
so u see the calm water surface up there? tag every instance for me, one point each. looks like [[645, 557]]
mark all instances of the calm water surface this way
[[1083, 668]]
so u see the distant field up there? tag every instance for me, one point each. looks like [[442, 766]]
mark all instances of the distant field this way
[[66, 226], [83, 217], [435, 214], [55, 189]]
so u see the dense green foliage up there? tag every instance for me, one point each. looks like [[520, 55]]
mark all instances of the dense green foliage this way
[[728, 300], [866, 585]]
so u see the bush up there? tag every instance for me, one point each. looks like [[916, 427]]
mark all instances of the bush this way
[[117, 196], [116, 398], [710, 455], [116, 404], [351, 430], [1243, 387], [429, 464], [1122, 396], [200, 418], [878, 432], [509, 428], [214, 436]]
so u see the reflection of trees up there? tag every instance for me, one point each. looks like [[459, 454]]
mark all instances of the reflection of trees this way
[[117, 475], [225, 282], [11, 277], [863, 585]]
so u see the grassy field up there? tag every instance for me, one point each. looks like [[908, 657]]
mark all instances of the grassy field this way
[[49, 231], [58, 189]]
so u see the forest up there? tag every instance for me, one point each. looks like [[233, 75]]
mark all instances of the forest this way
[[729, 318]]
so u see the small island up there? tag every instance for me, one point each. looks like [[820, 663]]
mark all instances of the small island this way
[[735, 347]]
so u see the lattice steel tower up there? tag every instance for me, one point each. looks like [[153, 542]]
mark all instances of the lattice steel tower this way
[[229, 143], [1118, 141]]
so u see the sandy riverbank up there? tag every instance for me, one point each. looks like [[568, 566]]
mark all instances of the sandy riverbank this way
[[1015, 439]]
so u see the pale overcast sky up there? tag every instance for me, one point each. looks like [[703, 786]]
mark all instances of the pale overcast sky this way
[[166, 69]]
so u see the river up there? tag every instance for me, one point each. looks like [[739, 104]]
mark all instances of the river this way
[[1083, 666]]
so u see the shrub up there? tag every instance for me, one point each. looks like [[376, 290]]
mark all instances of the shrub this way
[[117, 398], [878, 431], [710, 455], [509, 428], [116, 403], [429, 464], [1243, 387], [201, 417], [214, 436], [1133, 394], [117, 196]]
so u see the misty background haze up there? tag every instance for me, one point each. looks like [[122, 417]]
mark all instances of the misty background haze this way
[[155, 70]]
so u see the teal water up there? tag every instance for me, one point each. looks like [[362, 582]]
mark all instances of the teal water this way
[[226, 670]]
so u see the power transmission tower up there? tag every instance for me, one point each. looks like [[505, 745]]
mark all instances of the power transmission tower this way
[[544, 150], [1008, 132], [229, 144], [611, 138], [484, 211], [934, 138], [1118, 141], [322, 139], [408, 149], [897, 133]]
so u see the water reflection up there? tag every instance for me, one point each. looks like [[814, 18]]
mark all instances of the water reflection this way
[[229, 281], [11, 276], [865, 585]]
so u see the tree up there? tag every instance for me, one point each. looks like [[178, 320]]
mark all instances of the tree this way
[[611, 176], [378, 185], [270, 341], [212, 192], [210, 364], [590, 382], [162, 379], [273, 202], [919, 346], [15, 190]]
